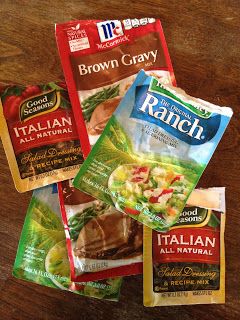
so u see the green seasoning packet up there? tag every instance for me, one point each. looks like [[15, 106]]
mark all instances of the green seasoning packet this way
[[153, 151], [42, 254]]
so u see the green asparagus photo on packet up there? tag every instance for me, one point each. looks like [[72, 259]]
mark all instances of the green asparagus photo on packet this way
[[153, 151]]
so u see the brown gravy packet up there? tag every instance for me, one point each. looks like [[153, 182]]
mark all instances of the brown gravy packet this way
[[101, 59], [39, 134], [186, 265]]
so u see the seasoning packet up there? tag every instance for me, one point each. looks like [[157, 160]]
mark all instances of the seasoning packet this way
[[42, 254], [39, 134], [153, 151], [186, 265], [100, 60], [102, 242]]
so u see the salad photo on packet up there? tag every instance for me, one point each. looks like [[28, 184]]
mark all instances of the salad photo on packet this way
[[99, 66], [186, 265], [102, 242], [42, 253], [39, 134], [153, 151]]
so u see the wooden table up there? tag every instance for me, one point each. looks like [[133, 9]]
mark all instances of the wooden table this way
[[203, 40]]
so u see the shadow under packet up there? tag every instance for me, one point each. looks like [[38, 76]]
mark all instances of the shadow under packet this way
[[42, 254]]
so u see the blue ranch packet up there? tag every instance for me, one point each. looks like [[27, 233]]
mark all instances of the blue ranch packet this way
[[153, 151]]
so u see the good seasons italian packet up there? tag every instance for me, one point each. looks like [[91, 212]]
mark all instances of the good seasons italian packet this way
[[186, 265], [102, 242], [100, 60], [153, 151], [42, 254], [39, 134]]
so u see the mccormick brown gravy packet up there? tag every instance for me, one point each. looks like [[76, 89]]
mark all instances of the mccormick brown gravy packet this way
[[102, 242], [39, 134], [186, 265], [100, 60]]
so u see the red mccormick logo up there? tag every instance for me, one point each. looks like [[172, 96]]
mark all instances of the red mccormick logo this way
[[109, 30]]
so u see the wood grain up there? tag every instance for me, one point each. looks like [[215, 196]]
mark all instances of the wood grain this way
[[203, 40]]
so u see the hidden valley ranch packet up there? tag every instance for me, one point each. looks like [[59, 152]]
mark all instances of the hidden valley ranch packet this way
[[153, 151]]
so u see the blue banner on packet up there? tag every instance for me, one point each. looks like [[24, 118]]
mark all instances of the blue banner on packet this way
[[170, 115]]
